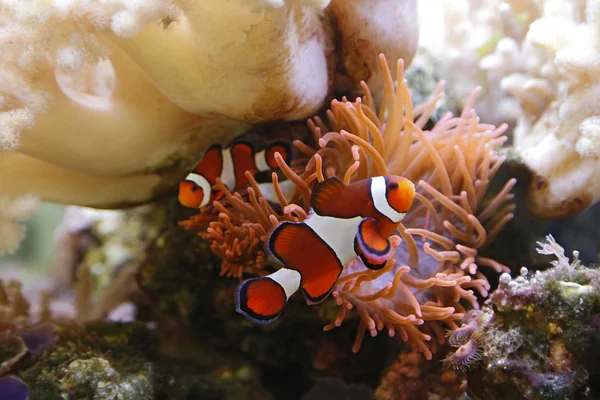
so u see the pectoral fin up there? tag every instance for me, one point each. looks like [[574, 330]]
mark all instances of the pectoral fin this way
[[374, 249]]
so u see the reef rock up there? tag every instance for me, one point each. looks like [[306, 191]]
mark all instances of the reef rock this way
[[537, 337]]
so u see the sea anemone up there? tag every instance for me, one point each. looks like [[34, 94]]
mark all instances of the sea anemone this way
[[434, 275], [237, 226]]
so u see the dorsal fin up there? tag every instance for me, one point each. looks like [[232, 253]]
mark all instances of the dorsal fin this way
[[211, 164], [325, 192]]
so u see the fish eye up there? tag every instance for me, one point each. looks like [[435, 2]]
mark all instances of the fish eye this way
[[194, 188], [393, 186]]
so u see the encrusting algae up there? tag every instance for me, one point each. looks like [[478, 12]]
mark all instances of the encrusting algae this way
[[432, 281]]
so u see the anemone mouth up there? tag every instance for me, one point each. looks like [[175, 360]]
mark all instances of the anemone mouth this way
[[91, 85]]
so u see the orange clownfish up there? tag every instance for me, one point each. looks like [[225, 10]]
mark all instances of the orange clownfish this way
[[230, 164], [345, 222]]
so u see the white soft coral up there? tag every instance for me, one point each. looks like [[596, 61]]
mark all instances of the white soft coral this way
[[478, 43], [32, 33], [558, 139], [538, 62], [108, 102]]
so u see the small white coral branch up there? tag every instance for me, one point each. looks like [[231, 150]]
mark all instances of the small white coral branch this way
[[13, 211], [552, 248]]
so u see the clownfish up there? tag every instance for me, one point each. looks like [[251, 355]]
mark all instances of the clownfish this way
[[230, 164], [345, 222]]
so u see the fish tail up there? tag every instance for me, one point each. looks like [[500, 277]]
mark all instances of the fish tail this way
[[261, 300]]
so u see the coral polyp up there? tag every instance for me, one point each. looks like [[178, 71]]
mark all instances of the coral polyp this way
[[467, 355]]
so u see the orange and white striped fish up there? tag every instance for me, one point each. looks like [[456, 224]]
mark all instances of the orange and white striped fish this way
[[230, 164], [345, 222]]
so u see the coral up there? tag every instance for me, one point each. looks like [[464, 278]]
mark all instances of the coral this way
[[557, 132], [13, 210], [26, 342], [164, 77], [436, 266], [424, 74], [536, 61], [539, 333], [479, 43], [372, 25], [468, 342]]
